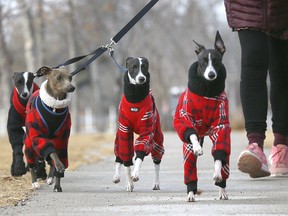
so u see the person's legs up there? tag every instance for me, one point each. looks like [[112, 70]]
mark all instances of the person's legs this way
[[278, 70], [253, 86], [254, 99]]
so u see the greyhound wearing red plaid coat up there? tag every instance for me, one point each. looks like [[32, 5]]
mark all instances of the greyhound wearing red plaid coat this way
[[48, 124], [202, 110], [137, 114]]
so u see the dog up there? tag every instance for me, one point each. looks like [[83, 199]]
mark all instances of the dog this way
[[24, 86], [202, 110], [137, 114], [48, 124]]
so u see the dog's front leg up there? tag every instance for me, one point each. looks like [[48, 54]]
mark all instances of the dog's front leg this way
[[35, 184], [137, 166], [217, 171], [57, 186], [197, 149], [57, 163], [129, 182], [156, 183], [116, 177]]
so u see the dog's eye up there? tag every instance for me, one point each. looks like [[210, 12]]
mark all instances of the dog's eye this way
[[133, 67], [59, 77], [204, 60]]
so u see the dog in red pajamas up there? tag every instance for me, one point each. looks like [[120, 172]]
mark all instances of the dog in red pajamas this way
[[137, 115], [202, 110]]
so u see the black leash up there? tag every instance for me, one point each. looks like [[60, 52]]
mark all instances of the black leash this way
[[114, 40]]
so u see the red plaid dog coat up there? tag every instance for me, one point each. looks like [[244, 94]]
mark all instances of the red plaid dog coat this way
[[38, 138], [203, 116], [143, 119]]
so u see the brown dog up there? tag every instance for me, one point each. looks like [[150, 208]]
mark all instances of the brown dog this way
[[48, 124]]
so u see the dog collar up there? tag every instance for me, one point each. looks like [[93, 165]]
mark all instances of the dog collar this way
[[51, 101]]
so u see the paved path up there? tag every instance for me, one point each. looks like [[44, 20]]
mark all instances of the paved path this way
[[90, 191]]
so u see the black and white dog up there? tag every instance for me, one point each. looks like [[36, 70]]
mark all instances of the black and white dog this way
[[137, 114], [202, 110], [24, 86]]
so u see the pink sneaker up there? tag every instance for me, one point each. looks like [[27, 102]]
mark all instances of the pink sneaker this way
[[279, 160], [253, 161]]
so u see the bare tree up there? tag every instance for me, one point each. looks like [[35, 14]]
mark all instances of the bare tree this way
[[6, 62], [29, 35]]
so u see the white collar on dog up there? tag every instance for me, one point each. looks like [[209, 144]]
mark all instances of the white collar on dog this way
[[51, 101]]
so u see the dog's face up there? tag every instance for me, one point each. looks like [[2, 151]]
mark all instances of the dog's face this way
[[23, 82], [59, 80], [138, 69], [210, 60]]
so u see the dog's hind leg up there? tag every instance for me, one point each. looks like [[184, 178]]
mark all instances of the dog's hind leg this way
[[219, 181], [50, 178], [156, 183], [137, 166], [191, 195], [35, 184], [222, 194], [129, 182], [116, 177]]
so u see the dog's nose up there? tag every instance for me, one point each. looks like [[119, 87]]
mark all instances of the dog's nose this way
[[212, 75], [142, 79], [24, 94], [71, 88]]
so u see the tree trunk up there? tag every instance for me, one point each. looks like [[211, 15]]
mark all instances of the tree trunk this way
[[28, 32], [72, 44], [6, 62]]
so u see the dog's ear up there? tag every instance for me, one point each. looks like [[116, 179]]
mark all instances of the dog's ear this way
[[199, 47], [43, 71], [219, 44], [127, 60]]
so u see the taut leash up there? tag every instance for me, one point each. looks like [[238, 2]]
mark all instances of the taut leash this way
[[114, 40]]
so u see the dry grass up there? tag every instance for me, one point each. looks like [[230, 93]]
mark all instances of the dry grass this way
[[83, 149]]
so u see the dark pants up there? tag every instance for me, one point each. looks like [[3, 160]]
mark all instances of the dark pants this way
[[260, 54]]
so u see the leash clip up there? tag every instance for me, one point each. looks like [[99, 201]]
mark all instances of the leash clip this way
[[109, 45]]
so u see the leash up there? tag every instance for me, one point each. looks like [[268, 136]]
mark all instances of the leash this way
[[114, 40]]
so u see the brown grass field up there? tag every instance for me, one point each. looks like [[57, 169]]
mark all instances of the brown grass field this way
[[83, 149]]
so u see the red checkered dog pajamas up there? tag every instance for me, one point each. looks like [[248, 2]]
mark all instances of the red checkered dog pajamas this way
[[143, 119], [203, 116]]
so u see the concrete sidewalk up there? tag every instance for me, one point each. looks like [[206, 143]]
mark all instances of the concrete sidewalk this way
[[90, 191]]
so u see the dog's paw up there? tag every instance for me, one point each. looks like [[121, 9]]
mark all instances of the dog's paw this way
[[197, 149], [156, 187], [191, 195], [222, 194], [116, 179], [217, 177], [129, 187], [35, 185], [135, 177], [57, 188], [50, 180]]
